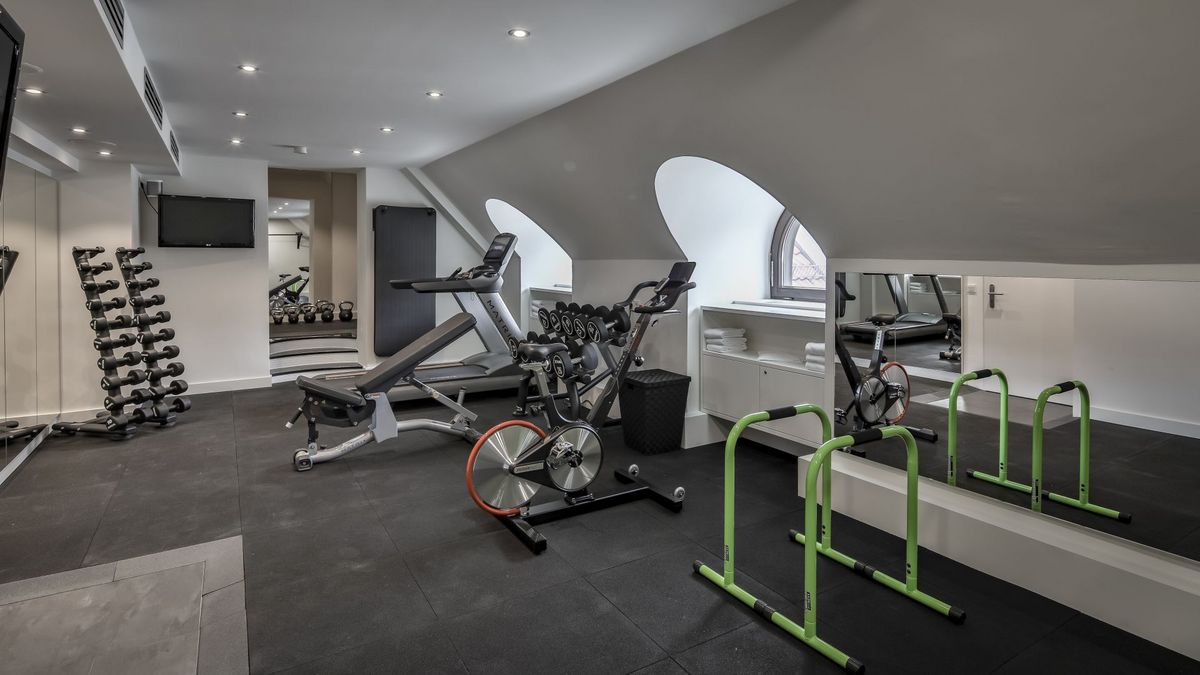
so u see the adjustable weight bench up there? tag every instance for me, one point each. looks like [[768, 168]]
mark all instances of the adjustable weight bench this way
[[366, 399]]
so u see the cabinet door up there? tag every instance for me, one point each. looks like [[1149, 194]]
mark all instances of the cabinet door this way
[[778, 388], [728, 387]]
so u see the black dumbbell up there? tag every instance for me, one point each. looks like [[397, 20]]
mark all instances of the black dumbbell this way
[[143, 284], [170, 370], [112, 362], [122, 340], [579, 322], [151, 319], [147, 339], [168, 352], [118, 422], [100, 286], [309, 311], [152, 301], [137, 268], [89, 267], [90, 252], [611, 324], [105, 305], [157, 392], [119, 321], [293, 313], [130, 252], [346, 310], [132, 377], [181, 404], [118, 402]]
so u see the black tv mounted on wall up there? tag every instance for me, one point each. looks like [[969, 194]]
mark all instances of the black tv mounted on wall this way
[[205, 222]]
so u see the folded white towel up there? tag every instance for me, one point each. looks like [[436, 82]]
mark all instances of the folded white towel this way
[[721, 349], [724, 332], [815, 366], [816, 348], [726, 341]]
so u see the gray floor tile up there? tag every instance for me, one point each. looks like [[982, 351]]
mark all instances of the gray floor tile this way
[[141, 521], [329, 545], [279, 496], [37, 551], [610, 537], [224, 646], [50, 584], [590, 635], [762, 647], [49, 507], [172, 656], [224, 602], [664, 667], [425, 650]]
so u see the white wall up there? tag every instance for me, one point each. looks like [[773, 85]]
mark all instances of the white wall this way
[[284, 256], [389, 186], [96, 208], [724, 222], [544, 262], [1135, 348], [217, 297]]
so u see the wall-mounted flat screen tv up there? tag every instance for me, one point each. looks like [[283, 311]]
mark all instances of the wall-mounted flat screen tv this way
[[205, 222], [11, 40]]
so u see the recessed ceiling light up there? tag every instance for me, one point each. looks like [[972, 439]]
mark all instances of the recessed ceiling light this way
[[386, 130], [434, 93], [239, 113], [356, 151], [105, 153], [248, 68], [519, 33], [35, 91], [79, 130], [285, 204], [235, 141]]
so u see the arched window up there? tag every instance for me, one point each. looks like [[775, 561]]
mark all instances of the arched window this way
[[797, 262]]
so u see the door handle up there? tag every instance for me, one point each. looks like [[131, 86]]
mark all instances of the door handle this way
[[992, 296]]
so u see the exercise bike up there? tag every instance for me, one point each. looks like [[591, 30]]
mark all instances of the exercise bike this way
[[514, 460], [880, 397]]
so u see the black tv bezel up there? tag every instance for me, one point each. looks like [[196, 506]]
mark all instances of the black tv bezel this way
[[9, 25], [162, 198]]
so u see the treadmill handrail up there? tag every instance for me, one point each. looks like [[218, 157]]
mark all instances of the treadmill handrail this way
[[481, 284]]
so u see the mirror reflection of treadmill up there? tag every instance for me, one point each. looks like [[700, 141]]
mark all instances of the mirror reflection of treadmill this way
[[490, 370], [908, 325]]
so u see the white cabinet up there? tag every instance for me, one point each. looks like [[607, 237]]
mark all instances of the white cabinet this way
[[728, 386], [778, 388]]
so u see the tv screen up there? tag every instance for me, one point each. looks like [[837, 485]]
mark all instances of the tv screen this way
[[11, 40], [205, 222]]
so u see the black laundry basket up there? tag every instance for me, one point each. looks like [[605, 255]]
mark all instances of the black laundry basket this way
[[653, 403]]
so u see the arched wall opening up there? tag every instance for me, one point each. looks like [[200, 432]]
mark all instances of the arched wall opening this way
[[546, 269], [726, 223]]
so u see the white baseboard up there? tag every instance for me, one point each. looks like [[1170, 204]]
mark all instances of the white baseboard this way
[[1163, 424], [1147, 592], [701, 429], [215, 386]]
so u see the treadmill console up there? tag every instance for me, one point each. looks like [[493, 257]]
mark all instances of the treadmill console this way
[[500, 251]]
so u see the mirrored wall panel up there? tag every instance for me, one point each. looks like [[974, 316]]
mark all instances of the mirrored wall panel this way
[[29, 315], [1098, 379]]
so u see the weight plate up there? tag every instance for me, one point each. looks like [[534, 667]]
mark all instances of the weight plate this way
[[500, 450], [575, 459]]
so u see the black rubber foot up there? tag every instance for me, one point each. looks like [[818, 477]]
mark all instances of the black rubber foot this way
[[792, 534], [855, 666], [1125, 518], [696, 565], [957, 615]]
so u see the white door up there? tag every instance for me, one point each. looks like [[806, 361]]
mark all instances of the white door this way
[[1028, 331]]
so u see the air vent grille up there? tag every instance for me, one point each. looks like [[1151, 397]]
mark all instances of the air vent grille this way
[[152, 98], [116, 18], [174, 147]]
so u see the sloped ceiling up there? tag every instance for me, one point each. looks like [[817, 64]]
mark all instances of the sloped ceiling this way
[[1020, 130]]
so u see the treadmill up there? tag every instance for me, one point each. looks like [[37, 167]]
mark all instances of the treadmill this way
[[908, 325], [477, 292]]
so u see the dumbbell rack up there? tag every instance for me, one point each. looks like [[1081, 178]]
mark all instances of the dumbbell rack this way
[[113, 423], [154, 405]]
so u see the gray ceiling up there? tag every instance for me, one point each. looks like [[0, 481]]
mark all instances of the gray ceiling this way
[[1021, 130], [333, 73]]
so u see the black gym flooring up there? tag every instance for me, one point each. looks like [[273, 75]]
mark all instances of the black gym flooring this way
[[380, 563]]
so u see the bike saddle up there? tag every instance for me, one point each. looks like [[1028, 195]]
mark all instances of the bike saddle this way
[[530, 351]]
